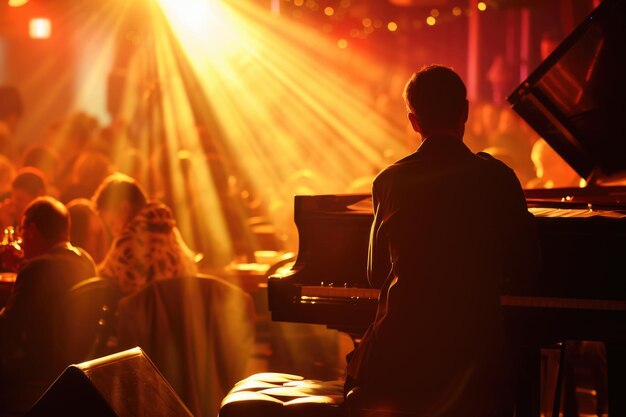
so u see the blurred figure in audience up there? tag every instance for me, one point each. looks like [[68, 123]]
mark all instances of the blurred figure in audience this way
[[550, 169], [11, 109], [7, 173], [89, 170], [45, 159], [28, 184], [147, 245], [87, 230], [512, 144], [133, 163], [70, 137], [30, 349]]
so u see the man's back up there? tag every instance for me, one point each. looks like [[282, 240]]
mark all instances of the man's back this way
[[33, 325], [457, 229]]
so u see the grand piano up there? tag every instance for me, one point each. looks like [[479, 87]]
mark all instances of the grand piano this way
[[576, 101]]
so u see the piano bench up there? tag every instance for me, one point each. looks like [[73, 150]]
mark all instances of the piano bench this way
[[273, 394]]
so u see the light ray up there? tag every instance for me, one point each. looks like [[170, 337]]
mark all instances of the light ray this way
[[284, 100]]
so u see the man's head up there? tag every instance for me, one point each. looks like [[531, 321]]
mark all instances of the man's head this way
[[436, 99], [45, 223], [28, 184], [118, 199]]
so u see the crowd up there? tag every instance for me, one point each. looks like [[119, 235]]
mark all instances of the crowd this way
[[76, 212]]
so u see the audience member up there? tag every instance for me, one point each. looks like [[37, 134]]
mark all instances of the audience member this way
[[87, 173], [550, 169], [7, 173], [28, 184], [147, 245], [11, 109], [29, 332], [70, 137], [133, 163], [513, 143], [45, 159], [87, 230]]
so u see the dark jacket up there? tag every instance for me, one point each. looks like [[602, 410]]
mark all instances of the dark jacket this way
[[451, 230], [33, 325]]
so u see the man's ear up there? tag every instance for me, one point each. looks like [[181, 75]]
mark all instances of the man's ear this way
[[415, 124]]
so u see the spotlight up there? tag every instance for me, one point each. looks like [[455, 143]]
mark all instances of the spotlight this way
[[17, 3], [39, 28]]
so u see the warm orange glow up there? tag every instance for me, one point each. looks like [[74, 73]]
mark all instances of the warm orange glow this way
[[329, 11], [17, 3], [482, 6], [230, 104], [456, 11], [431, 21], [367, 22], [392, 26], [270, 115], [434, 13], [39, 28]]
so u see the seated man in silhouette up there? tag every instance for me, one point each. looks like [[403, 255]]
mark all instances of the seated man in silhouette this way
[[451, 229], [29, 323]]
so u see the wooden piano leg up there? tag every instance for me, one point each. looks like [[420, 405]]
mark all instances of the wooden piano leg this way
[[616, 366], [527, 402]]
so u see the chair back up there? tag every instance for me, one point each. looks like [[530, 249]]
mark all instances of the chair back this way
[[197, 330], [85, 310], [67, 335]]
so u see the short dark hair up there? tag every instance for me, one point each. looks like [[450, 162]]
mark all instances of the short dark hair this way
[[50, 216], [117, 189], [31, 180], [436, 95], [81, 212], [10, 101], [40, 156]]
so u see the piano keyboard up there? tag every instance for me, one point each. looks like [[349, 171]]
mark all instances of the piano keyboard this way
[[505, 300], [339, 292]]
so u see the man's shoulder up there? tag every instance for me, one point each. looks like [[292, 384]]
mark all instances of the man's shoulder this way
[[394, 168], [495, 166], [60, 259], [492, 161]]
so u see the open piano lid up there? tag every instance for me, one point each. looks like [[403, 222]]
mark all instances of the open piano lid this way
[[576, 98]]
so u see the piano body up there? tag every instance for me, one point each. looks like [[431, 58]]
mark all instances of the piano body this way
[[576, 101]]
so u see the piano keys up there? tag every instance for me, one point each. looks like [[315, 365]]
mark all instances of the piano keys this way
[[581, 248]]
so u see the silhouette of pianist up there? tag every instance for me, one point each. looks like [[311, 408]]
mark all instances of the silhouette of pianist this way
[[451, 230]]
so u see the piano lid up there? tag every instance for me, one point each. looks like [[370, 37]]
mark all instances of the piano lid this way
[[576, 98]]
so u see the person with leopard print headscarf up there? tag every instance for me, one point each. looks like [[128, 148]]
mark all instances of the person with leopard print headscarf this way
[[147, 245]]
